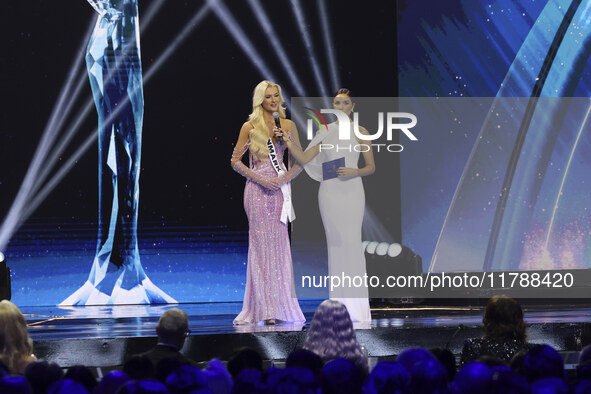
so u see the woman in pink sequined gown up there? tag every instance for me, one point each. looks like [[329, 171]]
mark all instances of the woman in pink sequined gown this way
[[269, 295]]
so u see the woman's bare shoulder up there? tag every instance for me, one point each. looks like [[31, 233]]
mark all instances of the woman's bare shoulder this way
[[247, 126]]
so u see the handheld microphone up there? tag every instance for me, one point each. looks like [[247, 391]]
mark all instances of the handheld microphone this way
[[458, 329], [278, 125]]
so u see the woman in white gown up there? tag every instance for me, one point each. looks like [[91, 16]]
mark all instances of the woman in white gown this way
[[342, 203]]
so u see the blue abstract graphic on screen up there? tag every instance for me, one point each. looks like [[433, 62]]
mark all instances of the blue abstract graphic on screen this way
[[511, 193]]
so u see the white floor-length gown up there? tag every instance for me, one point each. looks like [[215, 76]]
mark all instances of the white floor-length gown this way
[[342, 205]]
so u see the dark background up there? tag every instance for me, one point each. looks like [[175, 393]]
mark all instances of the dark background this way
[[194, 104]]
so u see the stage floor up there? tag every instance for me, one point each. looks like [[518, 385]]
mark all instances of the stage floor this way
[[103, 336]]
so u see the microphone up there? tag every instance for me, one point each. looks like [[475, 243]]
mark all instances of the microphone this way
[[458, 329], [278, 125]]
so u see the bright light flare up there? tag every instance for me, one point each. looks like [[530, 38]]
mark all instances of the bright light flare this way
[[304, 30], [329, 45], [233, 27], [259, 12]]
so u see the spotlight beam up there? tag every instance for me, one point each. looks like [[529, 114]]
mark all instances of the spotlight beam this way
[[246, 45], [299, 14], [233, 27], [56, 118], [65, 140], [5, 231], [60, 174], [12, 219], [41, 165], [66, 167], [329, 45], [73, 129], [180, 38], [150, 13], [263, 19]]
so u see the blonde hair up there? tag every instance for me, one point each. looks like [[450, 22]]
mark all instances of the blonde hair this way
[[15, 343], [259, 135]]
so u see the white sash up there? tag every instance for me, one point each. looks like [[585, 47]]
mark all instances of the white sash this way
[[287, 212]]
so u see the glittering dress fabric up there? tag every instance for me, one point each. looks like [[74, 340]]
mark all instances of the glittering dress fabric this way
[[501, 348], [269, 292]]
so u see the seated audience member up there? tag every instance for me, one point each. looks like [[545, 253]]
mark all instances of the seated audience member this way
[[585, 355], [474, 377], [583, 387], [4, 370], [219, 380], [504, 332], [111, 382], [66, 386], [146, 386], [244, 358], [586, 334], [165, 367], [82, 375], [507, 381], [341, 376], [248, 381], [15, 345], [427, 375], [331, 335], [542, 362], [447, 359], [305, 359], [139, 367], [516, 362], [185, 379], [291, 380], [13, 384], [172, 330], [387, 377], [584, 367], [492, 361], [549, 386], [41, 375]]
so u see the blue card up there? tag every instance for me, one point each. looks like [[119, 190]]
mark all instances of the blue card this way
[[329, 168]]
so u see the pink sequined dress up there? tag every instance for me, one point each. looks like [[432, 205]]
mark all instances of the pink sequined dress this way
[[269, 292]]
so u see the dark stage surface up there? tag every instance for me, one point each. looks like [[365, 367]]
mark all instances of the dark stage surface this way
[[103, 336]]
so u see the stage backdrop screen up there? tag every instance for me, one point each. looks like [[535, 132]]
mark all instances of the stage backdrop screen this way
[[498, 179]]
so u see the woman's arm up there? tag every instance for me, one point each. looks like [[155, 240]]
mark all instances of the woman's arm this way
[[241, 145], [295, 148], [238, 166], [295, 169], [370, 165]]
